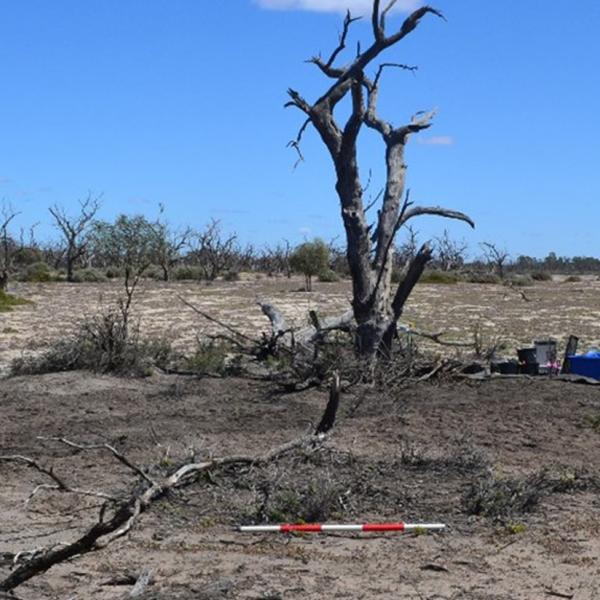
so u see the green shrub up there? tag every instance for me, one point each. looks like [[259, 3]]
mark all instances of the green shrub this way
[[187, 272], [317, 502], [154, 272], [329, 276], [38, 272], [310, 259], [8, 301], [88, 276], [438, 277], [114, 272], [502, 497], [541, 276], [212, 358], [485, 278]]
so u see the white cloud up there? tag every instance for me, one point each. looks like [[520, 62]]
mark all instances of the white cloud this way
[[436, 140], [357, 7]]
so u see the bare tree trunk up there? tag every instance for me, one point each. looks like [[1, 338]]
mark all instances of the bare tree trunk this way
[[70, 266], [370, 246]]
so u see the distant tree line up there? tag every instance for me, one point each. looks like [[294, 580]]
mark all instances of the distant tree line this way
[[87, 248]]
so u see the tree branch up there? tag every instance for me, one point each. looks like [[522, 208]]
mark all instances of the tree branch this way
[[118, 455], [411, 23], [327, 67], [386, 10], [437, 211], [214, 320], [104, 532], [415, 270], [378, 32], [296, 142]]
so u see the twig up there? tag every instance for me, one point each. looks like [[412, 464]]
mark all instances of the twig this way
[[214, 320], [118, 455]]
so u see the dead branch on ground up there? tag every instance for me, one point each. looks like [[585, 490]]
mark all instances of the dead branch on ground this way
[[118, 515]]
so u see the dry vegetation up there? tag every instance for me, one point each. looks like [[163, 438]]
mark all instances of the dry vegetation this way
[[509, 465], [553, 308]]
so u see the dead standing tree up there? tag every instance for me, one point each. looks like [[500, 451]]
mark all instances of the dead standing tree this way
[[7, 245], [496, 257], [169, 243], [75, 229], [376, 305]]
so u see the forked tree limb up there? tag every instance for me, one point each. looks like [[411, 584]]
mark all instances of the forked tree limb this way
[[59, 483], [438, 211], [105, 531]]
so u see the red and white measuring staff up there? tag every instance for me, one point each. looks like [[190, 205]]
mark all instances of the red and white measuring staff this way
[[317, 527]]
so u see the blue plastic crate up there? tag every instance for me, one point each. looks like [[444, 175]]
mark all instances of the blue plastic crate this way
[[588, 366]]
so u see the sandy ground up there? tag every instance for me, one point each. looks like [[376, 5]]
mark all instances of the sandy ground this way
[[552, 309], [414, 452], [187, 539]]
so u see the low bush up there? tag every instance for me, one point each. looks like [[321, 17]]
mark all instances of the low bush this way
[[38, 272], [573, 279], [518, 281], [439, 277], [213, 358], [328, 276], [462, 456], [114, 272], [187, 272], [154, 272], [231, 276], [26, 256], [104, 343], [502, 497], [484, 278], [541, 276], [8, 301], [317, 502], [89, 276]]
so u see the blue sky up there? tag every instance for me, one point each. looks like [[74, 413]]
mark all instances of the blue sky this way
[[181, 102]]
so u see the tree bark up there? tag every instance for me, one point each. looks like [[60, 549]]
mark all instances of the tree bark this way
[[370, 246]]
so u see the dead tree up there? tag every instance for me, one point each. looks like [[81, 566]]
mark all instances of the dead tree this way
[[407, 250], [376, 305], [496, 257], [7, 245], [276, 260], [75, 229], [450, 253], [214, 252], [169, 244]]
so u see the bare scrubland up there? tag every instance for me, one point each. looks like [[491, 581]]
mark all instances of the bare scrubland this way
[[510, 465]]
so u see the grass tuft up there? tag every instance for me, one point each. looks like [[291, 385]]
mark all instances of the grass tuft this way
[[8, 301]]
